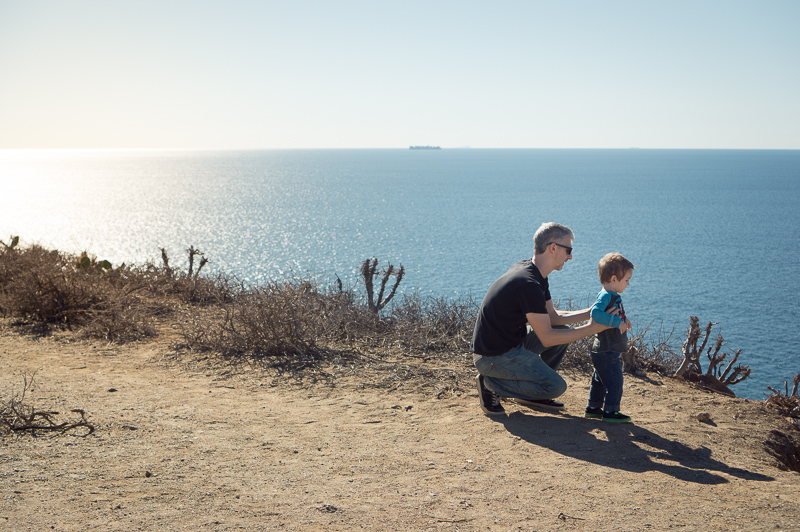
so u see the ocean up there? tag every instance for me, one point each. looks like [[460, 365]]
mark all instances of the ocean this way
[[713, 233]]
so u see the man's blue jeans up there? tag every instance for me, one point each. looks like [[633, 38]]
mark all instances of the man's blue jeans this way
[[606, 381], [526, 372]]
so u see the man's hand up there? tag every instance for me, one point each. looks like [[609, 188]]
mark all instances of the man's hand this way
[[542, 326], [623, 327]]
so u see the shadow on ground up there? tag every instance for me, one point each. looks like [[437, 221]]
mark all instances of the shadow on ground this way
[[622, 446]]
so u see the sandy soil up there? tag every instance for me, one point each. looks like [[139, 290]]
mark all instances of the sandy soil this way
[[181, 446]]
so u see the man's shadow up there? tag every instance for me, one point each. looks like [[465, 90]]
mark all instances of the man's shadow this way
[[624, 446]]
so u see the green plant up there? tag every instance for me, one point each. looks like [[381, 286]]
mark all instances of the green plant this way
[[89, 263]]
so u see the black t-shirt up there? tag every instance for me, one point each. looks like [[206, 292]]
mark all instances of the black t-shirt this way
[[501, 321]]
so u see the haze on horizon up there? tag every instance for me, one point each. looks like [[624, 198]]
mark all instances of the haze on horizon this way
[[247, 74]]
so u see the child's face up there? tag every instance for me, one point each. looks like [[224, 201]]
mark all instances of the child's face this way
[[619, 285]]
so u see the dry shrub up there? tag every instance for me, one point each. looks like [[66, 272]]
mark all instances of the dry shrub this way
[[46, 286], [165, 283], [787, 403], [58, 289], [297, 318], [116, 304], [658, 353], [285, 318], [121, 319], [433, 324], [717, 378]]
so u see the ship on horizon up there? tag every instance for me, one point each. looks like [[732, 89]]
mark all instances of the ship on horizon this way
[[424, 148]]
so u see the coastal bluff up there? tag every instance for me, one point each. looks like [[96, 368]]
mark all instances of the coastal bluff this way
[[190, 443]]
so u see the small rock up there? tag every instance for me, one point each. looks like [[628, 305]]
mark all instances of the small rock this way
[[148, 474], [704, 417], [112, 390]]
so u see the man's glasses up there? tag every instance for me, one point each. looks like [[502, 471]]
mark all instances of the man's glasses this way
[[568, 248]]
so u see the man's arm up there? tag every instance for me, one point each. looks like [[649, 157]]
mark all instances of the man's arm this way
[[599, 314], [565, 317], [543, 327]]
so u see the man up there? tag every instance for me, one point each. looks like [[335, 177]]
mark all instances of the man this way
[[519, 337]]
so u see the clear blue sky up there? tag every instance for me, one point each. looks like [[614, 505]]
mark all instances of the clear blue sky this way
[[381, 74]]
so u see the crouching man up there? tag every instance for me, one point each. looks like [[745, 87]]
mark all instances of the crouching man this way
[[520, 338]]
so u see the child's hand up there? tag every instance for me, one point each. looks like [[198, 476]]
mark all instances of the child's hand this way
[[623, 327]]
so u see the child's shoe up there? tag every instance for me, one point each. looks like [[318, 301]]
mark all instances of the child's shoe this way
[[616, 417], [593, 412]]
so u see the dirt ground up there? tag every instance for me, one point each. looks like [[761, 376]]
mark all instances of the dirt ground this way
[[182, 446]]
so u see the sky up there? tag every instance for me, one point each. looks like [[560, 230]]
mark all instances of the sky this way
[[238, 74]]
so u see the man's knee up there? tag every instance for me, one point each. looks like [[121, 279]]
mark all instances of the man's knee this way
[[562, 388], [559, 388]]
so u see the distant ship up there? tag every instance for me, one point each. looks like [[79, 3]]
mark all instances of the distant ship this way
[[424, 148]]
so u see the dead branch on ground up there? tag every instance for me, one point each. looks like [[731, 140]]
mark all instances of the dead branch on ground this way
[[16, 415]]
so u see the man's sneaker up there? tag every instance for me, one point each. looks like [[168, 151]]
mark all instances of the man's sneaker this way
[[490, 401], [593, 412], [541, 404], [616, 417]]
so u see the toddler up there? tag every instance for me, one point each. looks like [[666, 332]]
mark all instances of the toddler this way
[[605, 393]]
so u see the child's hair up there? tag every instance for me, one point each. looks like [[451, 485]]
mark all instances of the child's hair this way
[[613, 264]]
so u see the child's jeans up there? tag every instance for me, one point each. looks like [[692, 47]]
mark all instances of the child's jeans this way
[[606, 381]]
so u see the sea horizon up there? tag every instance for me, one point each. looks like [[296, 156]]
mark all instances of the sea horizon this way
[[84, 149]]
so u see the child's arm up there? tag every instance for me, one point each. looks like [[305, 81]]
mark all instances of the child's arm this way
[[599, 314]]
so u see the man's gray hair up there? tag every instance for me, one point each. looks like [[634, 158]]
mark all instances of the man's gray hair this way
[[549, 232]]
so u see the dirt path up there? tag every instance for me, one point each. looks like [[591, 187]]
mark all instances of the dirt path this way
[[177, 448]]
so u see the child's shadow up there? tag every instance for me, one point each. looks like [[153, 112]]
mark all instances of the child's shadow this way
[[622, 446]]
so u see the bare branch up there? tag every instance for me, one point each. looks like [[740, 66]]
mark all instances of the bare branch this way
[[369, 272], [713, 378]]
